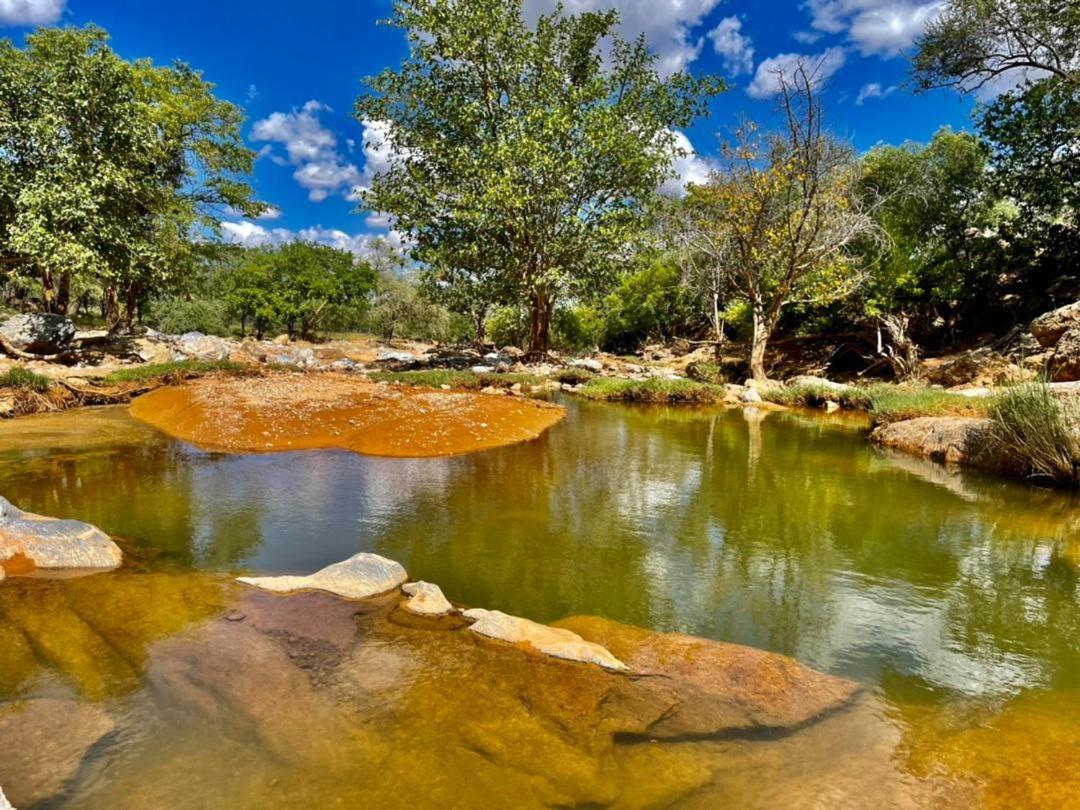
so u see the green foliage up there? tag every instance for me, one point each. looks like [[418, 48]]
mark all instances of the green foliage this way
[[25, 379], [655, 390], [179, 370], [175, 315], [525, 154], [650, 304], [107, 167], [574, 376], [886, 402], [811, 395], [508, 326], [1040, 433], [399, 310], [711, 373]]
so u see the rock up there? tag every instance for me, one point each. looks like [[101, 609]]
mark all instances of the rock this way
[[4, 803], [974, 393], [711, 688], [197, 346], [1049, 327], [39, 333], [491, 390], [358, 577], [1064, 366], [282, 340], [42, 744], [392, 356], [151, 350], [556, 642], [831, 407], [975, 368], [52, 543], [589, 364], [816, 382], [750, 396], [945, 439], [482, 369], [427, 599]]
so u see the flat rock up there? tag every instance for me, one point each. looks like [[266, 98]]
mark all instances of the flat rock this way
[[43, 743], [358, 577], [427, 599], [1049, 327], [709, 688], [945, 439], [553, 641], [53, 543]]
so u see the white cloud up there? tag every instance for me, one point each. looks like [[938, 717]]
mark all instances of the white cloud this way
[[311, 148], [807, 37], [250, 234], [735, 47], [822, 66], [688, 166], [884, 27], [271, 213], [873, 90], [668, 25], [30, 12]]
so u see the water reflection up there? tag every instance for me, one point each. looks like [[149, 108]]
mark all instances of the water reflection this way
[[777, 530]]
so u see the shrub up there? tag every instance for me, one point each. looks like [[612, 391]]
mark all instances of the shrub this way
[[1039, 433], [652, 390], [19, 377], [706, 372], [508, 326], [175, 316], [574, 376]]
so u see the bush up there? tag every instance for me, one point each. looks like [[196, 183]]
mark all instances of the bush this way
[[655, 390], [574, 376], [175, 316], [25, 379], [508, 326], [1039, 433], [652, 303], [579, 328]]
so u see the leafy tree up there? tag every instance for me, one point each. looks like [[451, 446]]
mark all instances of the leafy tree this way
[[652, 303], [783, 213], [108, 166], [525, 157]]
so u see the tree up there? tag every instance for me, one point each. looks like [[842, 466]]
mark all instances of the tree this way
[[107, 167], [783, 213], [525, 156]]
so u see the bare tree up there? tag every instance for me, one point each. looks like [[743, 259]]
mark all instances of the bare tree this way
[[778, 217]]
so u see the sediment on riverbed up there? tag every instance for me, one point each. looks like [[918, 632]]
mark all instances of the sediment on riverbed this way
[[328, 410]]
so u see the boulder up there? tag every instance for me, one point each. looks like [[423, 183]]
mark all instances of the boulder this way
[[39, 333], [946, 439], [426, 599], [978, 367], [816, 382], [589, 364], [197, 346], [750, 396], [42, 744], [830, 406], [1064, 366], [52, 543], [1049, 327], [392, 356], [556, 642], [711, 688], [358, 577], [4, 803]]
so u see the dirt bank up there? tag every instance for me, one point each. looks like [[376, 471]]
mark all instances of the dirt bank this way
[[312, 411]]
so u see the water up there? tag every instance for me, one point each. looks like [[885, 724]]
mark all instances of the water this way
[[953, 597]]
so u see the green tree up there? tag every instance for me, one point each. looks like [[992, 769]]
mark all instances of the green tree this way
[[107, 167], [311, 279], [527, 155]]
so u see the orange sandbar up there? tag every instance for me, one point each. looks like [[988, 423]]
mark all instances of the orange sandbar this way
[[311, 411]]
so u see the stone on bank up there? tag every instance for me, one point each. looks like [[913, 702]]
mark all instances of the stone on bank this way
[[358, 577], [53, 543], [426, 599], [553, 641]]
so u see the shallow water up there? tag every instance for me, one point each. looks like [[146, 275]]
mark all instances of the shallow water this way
[[953, 597]]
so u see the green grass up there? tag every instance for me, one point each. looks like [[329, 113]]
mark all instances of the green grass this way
[[886, 402], [1040, 434], [436, 378], [180, 368], [574, 376], [25, 379], [808, 395], [652, 390]]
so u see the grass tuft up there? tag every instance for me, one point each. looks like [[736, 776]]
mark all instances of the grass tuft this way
[[653, 390], [1041, 434], [25, 379], [436, 378], [887, 403], [574, 376], [180, 368]]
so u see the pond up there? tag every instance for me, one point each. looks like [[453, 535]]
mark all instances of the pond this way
[[952, 597]]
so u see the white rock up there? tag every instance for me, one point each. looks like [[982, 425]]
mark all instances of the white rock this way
[[588, 363], [395, 356], [360, 576], [53, 543], [4, 803], [750, 396], [831, 407], [427, 599], [974, 393], [482, 369], [551, 641]]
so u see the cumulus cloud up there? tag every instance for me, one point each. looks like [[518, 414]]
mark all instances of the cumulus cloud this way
[[311, 148], [807, 37], [766, 83], [668, 25], [250, 234], [883, 27], [30, 12], [873, 90], [733, 46], [689, 167]]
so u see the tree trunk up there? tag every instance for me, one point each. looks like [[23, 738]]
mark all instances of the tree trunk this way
[[112, 306], [131, 305], [762, 331], [480, 324], [541, 306]]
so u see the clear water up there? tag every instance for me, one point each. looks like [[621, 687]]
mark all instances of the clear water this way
[[948, 594]]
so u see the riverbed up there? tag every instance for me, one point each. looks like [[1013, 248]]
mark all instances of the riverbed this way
[[953, 598]]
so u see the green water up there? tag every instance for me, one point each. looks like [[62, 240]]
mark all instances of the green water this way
[[935, 589]]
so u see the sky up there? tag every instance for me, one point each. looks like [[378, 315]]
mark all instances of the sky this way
[[297, 68]]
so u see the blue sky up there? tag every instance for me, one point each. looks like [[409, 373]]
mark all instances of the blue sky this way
[[297, 68]]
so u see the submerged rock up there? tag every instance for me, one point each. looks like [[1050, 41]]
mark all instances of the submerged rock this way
[[553, 641], [358, 577], [427, 599], [43, 743], [39, 333], [53, 543], [709, 688]]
